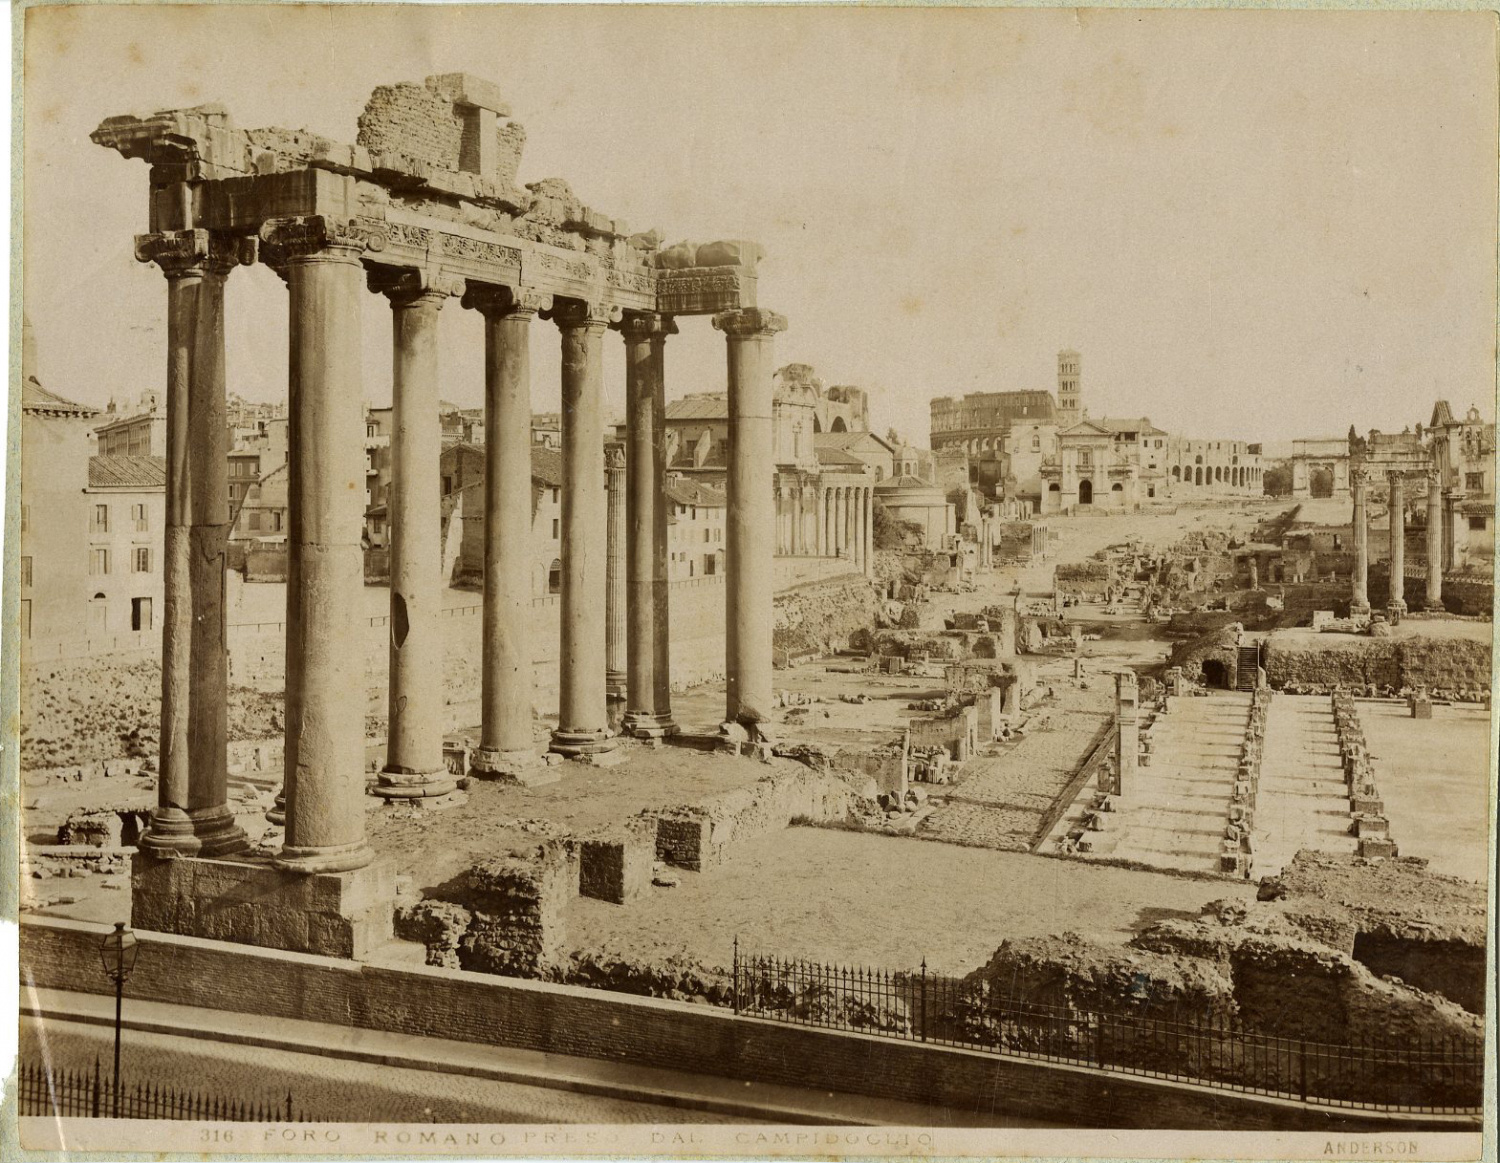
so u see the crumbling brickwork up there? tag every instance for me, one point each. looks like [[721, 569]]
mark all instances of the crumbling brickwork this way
[[617, 867], [516, 924], [412, 121]]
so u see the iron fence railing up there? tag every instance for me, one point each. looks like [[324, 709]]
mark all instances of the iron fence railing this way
[[63, 1093], [1435, 1075]]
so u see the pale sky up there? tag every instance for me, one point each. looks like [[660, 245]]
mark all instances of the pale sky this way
[[1253, 225]]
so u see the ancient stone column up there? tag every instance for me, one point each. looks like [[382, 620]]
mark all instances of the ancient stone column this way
[[414, 765], [506, 675], [614, 575], [867, 522], [1127, 733], [1451, 497], [1434, 597], [840, 521], [750, 334], [325, 819], [192, 815], [583, 717], [825, 522], [643, 483], [1398, 543], [661, 577], [1359, 598]]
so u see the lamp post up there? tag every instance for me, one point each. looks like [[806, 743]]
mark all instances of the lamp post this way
[[117, 951]]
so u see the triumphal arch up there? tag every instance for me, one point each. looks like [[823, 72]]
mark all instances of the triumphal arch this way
[[426, 211]]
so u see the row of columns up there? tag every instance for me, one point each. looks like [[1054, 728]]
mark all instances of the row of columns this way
[[830, 521], [1359, 480], [611, 634]]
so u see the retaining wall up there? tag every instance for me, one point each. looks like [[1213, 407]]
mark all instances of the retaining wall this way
[[478, 1008]]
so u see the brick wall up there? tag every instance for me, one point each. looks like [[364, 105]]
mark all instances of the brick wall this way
[[471, 1007]]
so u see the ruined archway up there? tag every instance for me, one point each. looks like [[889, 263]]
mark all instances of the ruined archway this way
[[1320, 481]]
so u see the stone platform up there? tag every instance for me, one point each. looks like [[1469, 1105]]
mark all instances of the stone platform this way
[[248, 900]]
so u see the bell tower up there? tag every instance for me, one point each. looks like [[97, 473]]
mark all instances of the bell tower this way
[[1069, 391]]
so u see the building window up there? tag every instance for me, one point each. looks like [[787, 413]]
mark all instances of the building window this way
[[1474, 482], [141, 560], [99, 561], [25, 617], [1036, 444], [25, 518], [138, 517], [554, 578], [276, 521], [554, 496], [25, 571], [254, 520], [1477, 524], [140, 613], [447, 483], [369, 430], [231, 490], [554, 528], [708, 534], [101, 518]]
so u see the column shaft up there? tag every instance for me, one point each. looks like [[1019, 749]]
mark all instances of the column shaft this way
[[1359, 598], [1434, 596], [506, 676], [750, 591], [615, 643], [1398, 544], [414, 764], [841, 521], [661, 578], [583, 720], [325, 826]]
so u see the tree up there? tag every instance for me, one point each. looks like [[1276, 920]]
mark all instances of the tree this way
[[1278, 479]]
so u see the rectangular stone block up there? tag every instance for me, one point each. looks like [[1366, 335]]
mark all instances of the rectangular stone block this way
[[683, 841], [1371, 826], [617, 868], [1371, 846], [246, 899]]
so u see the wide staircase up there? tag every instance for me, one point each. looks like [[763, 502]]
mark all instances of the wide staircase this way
[[1303, 801], [1246, 666], [1174, 811]]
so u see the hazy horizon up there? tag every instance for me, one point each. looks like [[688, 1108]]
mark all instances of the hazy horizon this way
[[1253, 225]]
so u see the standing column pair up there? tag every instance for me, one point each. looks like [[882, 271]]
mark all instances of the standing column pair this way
[[648, 711], [414, 765], [751, 544], [192, 817]]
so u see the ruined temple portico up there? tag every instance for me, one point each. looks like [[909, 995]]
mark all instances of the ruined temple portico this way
[[423, 209]]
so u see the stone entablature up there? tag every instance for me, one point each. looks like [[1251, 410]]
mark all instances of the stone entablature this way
[[406, 200]]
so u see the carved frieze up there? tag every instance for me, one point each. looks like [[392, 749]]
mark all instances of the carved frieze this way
[[284, 239], [477, 250], [704, 290]]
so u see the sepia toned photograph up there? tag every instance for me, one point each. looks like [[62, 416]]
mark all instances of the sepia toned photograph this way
[[747, 581]]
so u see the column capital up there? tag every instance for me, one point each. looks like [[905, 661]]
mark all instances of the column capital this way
[[1359, 477], [409, 286], [614, 458], [639, 326], [494, 302], [749, 323], [1396, 477], [184, 252], [572, 314], [319, 236]]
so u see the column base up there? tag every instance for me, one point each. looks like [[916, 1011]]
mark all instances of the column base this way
[[1434, 606], [249, 900], [276, 813], [1398, 605], [614, 684], [307, 859], [526, 768], [403, 785], [648, 725], [1359, 609], [572, 744], [207, 832]]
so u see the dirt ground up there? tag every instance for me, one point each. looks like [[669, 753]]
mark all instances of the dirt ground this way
[[883, 901], [1434, 775]]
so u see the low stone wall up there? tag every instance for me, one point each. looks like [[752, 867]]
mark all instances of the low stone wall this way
[[559, 1019], [821, 616], [699, 836]]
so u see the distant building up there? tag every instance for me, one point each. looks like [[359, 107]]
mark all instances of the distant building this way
[[695, 534], [127, 516], [57, 442], [1464, 453], [461, 468], [143, 434]]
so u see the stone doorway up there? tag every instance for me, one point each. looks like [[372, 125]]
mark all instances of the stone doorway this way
[[1085, 492]]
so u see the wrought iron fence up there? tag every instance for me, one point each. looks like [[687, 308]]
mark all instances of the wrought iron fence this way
[[63, 1093], [1436, 1075]]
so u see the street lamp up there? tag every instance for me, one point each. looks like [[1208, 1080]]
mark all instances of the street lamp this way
[[117, 951]]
